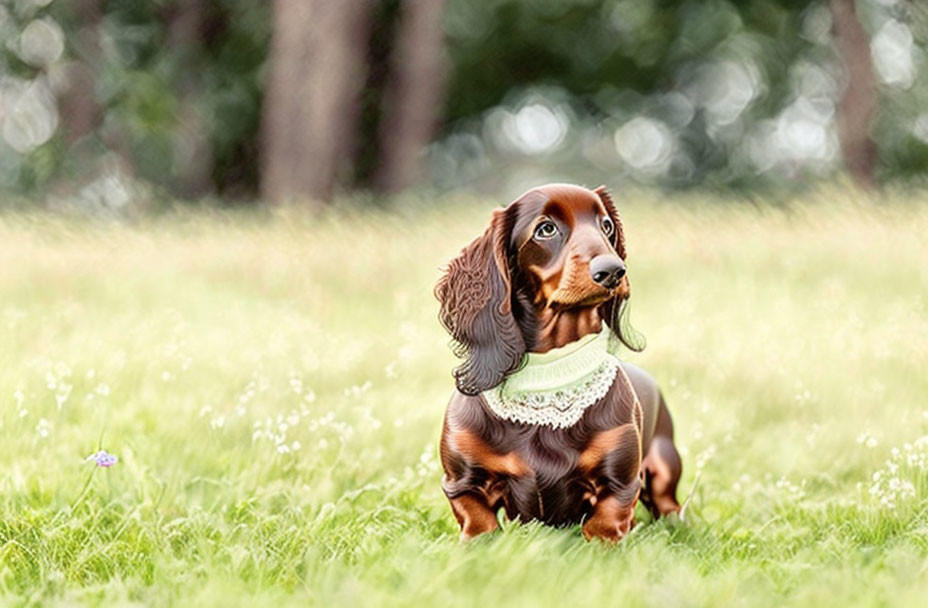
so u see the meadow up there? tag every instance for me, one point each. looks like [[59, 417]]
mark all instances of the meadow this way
[[272, 384]]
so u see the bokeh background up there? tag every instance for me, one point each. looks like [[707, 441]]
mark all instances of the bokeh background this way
[[302, 99]]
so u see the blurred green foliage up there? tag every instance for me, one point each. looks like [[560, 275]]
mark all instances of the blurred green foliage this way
[[676, 92]]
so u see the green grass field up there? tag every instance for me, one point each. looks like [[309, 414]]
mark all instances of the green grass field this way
[[273, 386]]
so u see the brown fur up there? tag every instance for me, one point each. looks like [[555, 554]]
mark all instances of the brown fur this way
[[515, 290]]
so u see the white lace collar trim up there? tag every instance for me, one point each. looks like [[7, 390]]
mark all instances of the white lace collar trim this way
[[555, 388]]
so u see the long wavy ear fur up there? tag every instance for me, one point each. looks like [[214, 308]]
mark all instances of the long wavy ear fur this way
[[476, 308], [616, 312]]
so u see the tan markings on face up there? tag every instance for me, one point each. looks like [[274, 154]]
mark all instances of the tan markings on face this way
[[624, 436], [576, 286], [562, 275], [549, 279], [479, 452]]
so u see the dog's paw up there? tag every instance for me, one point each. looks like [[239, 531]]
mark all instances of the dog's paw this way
[[610, 531]]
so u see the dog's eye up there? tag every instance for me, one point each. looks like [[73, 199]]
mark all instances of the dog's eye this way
[[608, 226], [545, 230]]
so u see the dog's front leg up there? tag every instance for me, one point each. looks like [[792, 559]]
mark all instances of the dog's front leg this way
[[473, 514], [612, 459], [612, 519]]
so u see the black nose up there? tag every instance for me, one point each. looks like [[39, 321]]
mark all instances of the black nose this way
[[607, 270]]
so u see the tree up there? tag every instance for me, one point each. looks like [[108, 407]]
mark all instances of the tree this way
[[858, 103], [310, 108], [78, 106], [192, 148], [413, 96]]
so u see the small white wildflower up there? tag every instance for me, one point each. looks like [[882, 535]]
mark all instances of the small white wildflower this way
[[355, 390], [705, 456], [64, 391], [892, 486]]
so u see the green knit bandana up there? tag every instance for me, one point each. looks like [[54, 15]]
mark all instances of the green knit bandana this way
[[556, 387]]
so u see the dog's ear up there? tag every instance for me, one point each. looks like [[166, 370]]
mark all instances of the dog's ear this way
[[476, 308], [615, 311]]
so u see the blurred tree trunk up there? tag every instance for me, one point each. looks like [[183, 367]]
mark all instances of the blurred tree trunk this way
[[412, 100], [80, 112], [193, 155], [311, 105], [858, 104], [77, 104]]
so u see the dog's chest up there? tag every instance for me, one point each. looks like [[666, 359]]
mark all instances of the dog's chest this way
[[556, 491], [564, 473]]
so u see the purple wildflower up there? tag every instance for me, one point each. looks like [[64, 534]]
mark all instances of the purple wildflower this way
[[103, 458]]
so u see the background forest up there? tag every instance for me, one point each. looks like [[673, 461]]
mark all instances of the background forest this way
[[299, 99]]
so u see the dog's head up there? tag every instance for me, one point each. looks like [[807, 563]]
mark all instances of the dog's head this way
[[555, 248]]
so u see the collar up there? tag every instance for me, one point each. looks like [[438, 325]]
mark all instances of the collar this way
[[556, 387]]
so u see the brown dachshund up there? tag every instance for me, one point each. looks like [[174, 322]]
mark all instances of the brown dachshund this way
[[532, 303]]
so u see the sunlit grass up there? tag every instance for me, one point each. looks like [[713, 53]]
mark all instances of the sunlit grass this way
[[273, 387]]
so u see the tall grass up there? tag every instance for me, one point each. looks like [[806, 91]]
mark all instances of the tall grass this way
[[273, 387]]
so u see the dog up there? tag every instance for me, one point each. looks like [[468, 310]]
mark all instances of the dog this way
[[546, 423]]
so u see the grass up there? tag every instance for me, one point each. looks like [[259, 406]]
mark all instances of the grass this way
[[273, 387]]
